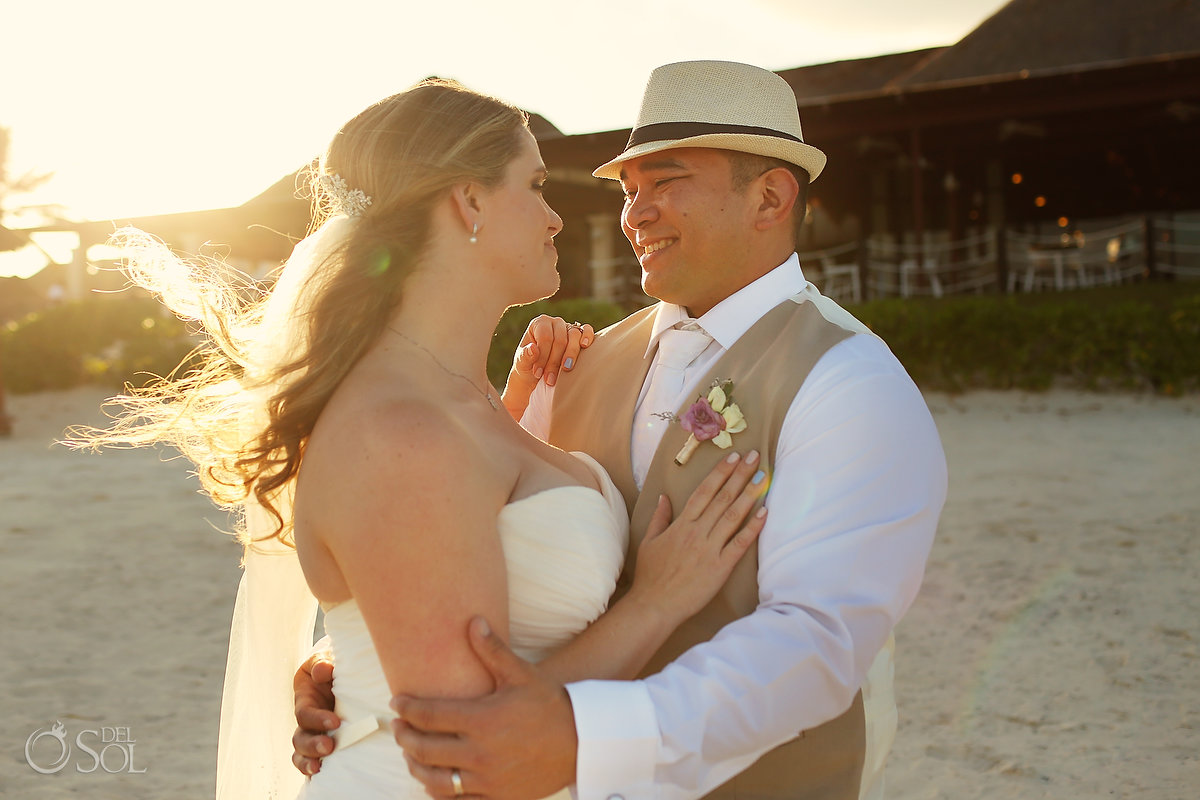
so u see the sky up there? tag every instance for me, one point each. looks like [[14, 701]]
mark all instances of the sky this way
[[155, 106]]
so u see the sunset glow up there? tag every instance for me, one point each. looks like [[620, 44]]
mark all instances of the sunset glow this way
[[143, 107]]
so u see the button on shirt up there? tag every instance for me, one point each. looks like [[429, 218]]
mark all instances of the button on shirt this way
[[859, 482]]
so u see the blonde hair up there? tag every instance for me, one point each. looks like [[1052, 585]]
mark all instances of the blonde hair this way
[[245, 414]]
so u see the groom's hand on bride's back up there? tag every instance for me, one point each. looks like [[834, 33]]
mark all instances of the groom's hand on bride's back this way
[[313, 690], [517, 743]]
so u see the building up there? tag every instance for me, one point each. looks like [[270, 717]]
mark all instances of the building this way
[[1049, 148]]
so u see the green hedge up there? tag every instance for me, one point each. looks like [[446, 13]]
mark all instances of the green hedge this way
[[114, 340], [106, 340], [514, 322], [1139, 337]]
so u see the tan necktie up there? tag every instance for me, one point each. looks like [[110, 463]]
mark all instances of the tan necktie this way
[[678, 348]]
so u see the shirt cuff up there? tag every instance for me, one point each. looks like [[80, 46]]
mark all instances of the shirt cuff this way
[[618, 740]]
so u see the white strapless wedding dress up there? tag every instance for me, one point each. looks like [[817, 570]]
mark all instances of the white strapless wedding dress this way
[[563, 549]]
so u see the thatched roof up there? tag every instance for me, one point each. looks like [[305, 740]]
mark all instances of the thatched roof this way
[[542, 128], [11, 240], [287, 191], [1039, 36], [264, 228], [1024, 38], [843, 79]]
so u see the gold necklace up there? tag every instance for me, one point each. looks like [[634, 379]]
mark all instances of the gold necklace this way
[[486, 395]]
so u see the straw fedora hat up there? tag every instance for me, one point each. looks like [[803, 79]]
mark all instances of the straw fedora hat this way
[[718, 104]]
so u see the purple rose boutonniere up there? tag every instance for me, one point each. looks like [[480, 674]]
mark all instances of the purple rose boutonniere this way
[[714, 418]]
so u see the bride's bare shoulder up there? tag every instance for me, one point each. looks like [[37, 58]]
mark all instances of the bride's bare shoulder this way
[[394, 425], [403, 444]]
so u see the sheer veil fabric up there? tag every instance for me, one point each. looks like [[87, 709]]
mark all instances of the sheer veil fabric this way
[[275, 613], [271, 634]]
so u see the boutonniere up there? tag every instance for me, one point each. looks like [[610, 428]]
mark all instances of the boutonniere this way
[[714, 418]]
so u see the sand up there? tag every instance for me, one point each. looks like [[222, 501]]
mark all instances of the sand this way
[[1053, 652]]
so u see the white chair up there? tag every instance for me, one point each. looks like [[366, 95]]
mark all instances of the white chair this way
[[835, 275], [909, 266]]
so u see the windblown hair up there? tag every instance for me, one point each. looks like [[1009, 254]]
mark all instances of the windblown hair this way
[[244, 415]]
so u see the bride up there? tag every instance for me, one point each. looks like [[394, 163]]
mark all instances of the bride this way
[[351, 416]]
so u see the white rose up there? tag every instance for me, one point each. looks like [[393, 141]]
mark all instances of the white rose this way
[[734, 421]]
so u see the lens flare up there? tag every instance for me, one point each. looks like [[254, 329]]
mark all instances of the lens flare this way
[[380, 262], [988, 670]]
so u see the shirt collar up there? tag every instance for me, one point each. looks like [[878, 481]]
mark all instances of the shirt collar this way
[[733, 316]]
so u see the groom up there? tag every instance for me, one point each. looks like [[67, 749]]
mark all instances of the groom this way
[[781, 687]]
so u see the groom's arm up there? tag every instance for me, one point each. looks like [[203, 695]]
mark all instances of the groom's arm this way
[[859, 482]]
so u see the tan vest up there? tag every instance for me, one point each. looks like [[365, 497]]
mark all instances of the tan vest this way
[[593, 412]]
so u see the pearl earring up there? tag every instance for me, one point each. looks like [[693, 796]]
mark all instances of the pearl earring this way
[[474, 234]]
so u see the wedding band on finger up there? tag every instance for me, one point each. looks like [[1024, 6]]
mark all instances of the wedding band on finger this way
[[456, 782]]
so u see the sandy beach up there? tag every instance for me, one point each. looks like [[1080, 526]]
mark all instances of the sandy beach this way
[[1053, 652]]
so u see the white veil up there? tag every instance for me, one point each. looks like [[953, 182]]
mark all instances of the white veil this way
[[275, 613]]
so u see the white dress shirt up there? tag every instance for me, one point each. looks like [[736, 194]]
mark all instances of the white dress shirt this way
[[859, 481]]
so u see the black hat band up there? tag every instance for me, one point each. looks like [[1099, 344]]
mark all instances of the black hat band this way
[[668, 131]]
